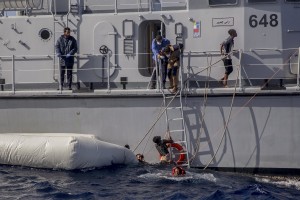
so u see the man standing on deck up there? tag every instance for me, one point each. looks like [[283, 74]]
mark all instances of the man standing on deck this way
[[66, 47], [226, 50], [158, 43]]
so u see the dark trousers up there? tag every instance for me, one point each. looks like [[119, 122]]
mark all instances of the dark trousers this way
[[172, 72], [163, 71], [69, 70], [228, 66]]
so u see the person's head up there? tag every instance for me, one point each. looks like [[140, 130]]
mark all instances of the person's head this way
[[140, 157], [127, 146], [177, 171], [67, 32], [167, 50], [232, 32], [156, 139], [158, 39]]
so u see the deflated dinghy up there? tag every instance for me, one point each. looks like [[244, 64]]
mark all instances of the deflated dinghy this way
[[61, 151]]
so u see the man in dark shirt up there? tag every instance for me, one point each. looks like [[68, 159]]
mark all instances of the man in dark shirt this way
[[226, 50], [162, 148], [66, 47]]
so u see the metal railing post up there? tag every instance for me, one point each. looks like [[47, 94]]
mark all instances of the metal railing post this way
[[189, 70], [13, 73], [60, 84], [187, 5], [116, 7], [157, 73], [160, 75], [240, 66], [298, 69], [181, 71], [108, 71]]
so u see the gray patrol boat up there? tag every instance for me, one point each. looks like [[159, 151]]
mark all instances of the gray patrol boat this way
[[253, 125]]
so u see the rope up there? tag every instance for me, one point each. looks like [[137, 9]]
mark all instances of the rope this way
[[227, 122], [203, 113], [228, 119], [175, 95]]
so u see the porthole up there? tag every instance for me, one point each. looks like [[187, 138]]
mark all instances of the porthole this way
[[45, 34]]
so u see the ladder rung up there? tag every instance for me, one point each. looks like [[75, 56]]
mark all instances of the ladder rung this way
[[171, 96], [184, 153], [170, 108], [175, 119], [180, 142], [183, 164], [176, 131]]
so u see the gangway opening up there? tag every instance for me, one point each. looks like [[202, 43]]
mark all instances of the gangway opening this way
[[147, 31]]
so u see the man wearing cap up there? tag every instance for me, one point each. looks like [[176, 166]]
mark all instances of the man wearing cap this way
[[158, 43]]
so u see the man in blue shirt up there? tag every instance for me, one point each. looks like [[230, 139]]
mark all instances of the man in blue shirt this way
[[158, 43]]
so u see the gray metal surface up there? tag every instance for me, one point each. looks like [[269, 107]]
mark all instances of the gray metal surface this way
[[267, 49], [262, 134]]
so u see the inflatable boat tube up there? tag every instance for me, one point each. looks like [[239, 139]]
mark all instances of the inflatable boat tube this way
[[61, 151]]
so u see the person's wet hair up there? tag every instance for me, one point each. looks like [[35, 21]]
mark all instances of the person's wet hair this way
[[156, 139]]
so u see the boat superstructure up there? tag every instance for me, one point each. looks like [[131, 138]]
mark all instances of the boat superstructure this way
[[252, 125]]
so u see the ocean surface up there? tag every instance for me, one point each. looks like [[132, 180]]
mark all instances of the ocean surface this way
[[141, 182]]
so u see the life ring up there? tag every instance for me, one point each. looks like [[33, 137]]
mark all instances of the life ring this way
[[179, 148], [181, 158]]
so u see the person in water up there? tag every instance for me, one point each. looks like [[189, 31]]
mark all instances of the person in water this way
[[162, 148], [140, 158], [178, 171]]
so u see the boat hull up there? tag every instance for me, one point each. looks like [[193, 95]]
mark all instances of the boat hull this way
[[262, 132]]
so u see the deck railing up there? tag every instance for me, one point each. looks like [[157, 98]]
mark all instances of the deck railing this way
[[188, 69]]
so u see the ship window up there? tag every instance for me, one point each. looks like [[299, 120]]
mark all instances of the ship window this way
[[293, 1], [45, 34], [261, 1], [222, 2]]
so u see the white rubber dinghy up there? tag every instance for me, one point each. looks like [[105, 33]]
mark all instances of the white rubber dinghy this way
[[61, 151]]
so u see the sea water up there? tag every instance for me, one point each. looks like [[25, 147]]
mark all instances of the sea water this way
[[141, 182]]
